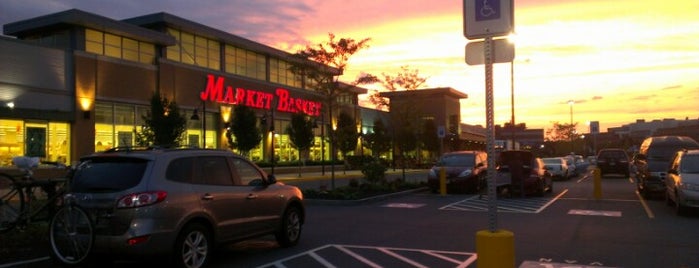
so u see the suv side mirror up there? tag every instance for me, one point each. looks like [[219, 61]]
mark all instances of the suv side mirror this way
[[271, 179]]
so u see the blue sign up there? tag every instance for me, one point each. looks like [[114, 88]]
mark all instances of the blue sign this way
[[487, 10]]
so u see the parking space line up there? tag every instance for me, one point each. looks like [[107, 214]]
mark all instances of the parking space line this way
[[390, 252], [649, 212]]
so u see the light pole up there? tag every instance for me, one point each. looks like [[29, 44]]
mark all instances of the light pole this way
[[511, 38], [572, 128]]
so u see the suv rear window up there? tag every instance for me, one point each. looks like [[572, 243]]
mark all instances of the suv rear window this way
[[613, 154], [108, 174]]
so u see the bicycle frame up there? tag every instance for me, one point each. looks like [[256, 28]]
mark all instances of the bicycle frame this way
[[19, 204]]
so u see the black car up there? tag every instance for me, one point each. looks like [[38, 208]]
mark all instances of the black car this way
[[526, 173], [613, 161], [463, 171], [653, 161]]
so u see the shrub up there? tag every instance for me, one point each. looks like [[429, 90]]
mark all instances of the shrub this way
[[374, 172]]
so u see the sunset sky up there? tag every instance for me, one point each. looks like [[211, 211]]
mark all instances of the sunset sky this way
[[619, 60]]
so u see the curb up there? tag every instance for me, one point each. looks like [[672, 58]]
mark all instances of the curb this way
[[355, 202]]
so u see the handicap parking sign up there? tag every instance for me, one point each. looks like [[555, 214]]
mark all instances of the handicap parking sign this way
[[487, 10]]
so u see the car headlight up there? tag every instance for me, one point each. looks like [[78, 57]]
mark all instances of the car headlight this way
[[466, 173], [690, 186]]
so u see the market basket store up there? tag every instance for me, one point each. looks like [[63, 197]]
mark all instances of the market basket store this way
[[73, 82]]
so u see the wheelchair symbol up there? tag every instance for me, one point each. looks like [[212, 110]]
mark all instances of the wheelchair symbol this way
[[487, 10]]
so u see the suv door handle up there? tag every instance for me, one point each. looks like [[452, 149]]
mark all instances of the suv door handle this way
[[207, 196], [252, 196]]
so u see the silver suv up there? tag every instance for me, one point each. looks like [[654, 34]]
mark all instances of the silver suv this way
[[181, 203]]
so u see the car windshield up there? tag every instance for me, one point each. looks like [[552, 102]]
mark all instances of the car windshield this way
[[690, 164], [458, 160], [108, 174], [664, 153], [552, 161], [613, 155]]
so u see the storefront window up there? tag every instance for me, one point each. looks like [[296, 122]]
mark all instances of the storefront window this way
[[119, 47], [48, 141], [195, 50]]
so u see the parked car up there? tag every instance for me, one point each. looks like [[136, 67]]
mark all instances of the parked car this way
[[570, 162], [182, 203], [613, 161], [653, 160], [527, 173], [682, 182], [580, 164], [463, 171], [557, 166]]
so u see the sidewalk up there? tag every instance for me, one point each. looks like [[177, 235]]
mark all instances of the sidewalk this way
[[317, 179]]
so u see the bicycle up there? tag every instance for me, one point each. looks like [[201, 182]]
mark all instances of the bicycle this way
[[71, 232]]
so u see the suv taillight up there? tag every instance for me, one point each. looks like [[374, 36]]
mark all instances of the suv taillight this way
[[141, 199]]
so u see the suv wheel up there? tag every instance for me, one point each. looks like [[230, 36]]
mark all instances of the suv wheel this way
[[192, 247], [290, 231]]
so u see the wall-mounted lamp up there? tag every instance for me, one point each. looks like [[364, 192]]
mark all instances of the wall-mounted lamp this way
[[85, 106], [226, 112], [10, 105]]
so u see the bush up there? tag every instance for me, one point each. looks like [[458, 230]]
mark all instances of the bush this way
[[374, 172]]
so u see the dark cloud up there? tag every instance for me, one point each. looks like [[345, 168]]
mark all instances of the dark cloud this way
[[265, 21]]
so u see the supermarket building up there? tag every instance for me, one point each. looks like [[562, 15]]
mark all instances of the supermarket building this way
[[73, 82]]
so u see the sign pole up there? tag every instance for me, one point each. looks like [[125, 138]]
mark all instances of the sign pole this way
[[490, 137]]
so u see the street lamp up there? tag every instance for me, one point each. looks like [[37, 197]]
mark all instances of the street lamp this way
[[572, 128]]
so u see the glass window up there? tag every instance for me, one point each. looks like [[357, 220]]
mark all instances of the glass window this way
[[246, 171], [181, 170], [214, 170], [108, 174], [119, 47]]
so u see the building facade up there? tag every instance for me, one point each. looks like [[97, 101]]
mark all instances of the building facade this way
[[73, 82]]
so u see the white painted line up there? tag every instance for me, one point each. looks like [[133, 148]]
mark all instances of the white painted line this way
[[400, 257], [595, 212], [403, 205], [319, 259], [358, 257], [645, 206], [13, 264], [552, 200]]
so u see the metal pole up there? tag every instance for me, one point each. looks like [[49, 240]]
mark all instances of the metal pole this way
[[322, 144], [203, 115], [512, 91], [272, 138], [490, 135]]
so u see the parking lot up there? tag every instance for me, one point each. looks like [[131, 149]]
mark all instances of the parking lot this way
[[566, 228]]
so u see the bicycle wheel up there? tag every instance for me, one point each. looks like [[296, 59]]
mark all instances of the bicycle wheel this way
[[71, 235], [11, 203]]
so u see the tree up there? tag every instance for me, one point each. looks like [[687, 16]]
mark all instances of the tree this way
[[406, 79], [300, 133], [562, 132], [346, 134], [379, 140], [163, 125], [244, 126], [320, 67]]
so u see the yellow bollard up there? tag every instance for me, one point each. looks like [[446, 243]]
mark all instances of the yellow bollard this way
[[598, 183], [442, 181], [495, 249]]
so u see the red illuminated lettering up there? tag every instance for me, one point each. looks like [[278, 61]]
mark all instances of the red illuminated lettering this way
[[214, 91]]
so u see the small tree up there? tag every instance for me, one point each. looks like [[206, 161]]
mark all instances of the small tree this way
[[346, 135], [244, 126], [406, 79], [163, 125], [379, 140], [300, 133]]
